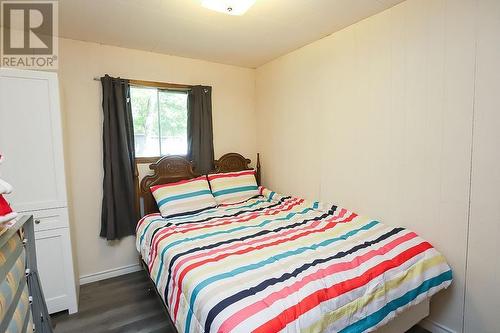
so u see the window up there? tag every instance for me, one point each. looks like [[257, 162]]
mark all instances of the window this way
[[160, 121]]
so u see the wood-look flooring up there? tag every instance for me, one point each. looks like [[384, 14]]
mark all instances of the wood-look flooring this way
[[123, 304], [118, 305]]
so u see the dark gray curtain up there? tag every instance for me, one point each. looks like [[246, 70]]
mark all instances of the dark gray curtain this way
[[199, 128], [118, 216]]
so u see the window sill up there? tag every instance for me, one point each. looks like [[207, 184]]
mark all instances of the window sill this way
[[144, 160], [154, 159]]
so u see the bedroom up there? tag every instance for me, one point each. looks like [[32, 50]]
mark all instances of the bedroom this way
[[387, 108]]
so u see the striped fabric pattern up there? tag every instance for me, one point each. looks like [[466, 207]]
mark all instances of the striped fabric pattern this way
[[183, 197], [233, 187], [277, 263], [15, 312]]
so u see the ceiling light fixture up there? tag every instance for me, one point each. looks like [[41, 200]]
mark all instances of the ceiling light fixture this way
[[231, 7]]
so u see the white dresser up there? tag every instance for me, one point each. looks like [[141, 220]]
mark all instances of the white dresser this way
[[31, 140]]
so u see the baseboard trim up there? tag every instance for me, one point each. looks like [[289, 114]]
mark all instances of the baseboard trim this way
[[434, 327], [110, 273]]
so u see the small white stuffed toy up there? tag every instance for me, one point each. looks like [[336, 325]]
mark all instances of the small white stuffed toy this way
[[5, 188], [6, 213]]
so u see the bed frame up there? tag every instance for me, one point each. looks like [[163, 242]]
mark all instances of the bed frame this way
[[171, 169]]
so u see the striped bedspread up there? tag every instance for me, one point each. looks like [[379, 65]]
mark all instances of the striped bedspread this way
[[276, 263]]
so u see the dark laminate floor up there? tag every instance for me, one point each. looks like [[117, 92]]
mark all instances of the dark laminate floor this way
[[123, 304]]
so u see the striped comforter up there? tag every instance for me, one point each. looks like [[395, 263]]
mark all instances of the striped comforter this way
[[277, 263]]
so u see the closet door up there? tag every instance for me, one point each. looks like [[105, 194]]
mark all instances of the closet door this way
[[31, 140]]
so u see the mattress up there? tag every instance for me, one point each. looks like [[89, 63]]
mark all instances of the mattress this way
[[284, 264]]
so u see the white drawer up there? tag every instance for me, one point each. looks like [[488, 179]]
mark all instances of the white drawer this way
[[48, 219]]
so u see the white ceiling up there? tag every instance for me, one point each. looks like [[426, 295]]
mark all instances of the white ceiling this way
[[268, 30]]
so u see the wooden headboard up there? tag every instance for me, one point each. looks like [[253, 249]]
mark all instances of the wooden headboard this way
[[171, 169]]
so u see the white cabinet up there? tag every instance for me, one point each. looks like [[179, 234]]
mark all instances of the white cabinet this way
[[55, 264], [31, 140]]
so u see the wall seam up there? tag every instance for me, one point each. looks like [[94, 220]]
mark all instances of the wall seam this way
[[471, 165], [256, 116]]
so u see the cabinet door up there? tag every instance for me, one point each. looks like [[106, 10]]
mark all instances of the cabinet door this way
[[31, 140], [53, 252]]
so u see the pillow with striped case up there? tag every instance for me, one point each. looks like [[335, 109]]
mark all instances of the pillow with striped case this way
[[233, 187], [183, 197]]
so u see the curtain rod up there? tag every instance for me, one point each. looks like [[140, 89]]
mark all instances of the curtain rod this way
[[165, 85]]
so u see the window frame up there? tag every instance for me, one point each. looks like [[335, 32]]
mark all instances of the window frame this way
[[160, 86]]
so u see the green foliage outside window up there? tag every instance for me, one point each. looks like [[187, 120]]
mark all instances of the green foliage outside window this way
[[158, 112], [172, 111]]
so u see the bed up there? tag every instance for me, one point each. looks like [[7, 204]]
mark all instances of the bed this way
[[278, 263]]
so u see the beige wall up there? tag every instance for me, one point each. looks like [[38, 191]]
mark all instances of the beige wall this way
[[482, 312], [233, 119], [378, 118]]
